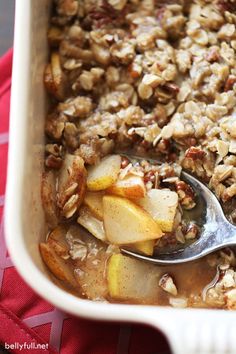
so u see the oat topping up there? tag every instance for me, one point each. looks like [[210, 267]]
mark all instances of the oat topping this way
[[148, 78]]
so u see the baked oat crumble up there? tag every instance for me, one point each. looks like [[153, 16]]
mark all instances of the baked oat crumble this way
[[150, 78]]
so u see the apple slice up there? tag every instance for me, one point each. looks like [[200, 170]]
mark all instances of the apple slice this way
[[103, 175], [125, 222], [131, 187], [130, 279], [161, 204], [144, 247], [61, 268], [92, 224], [57, 239], [93, 200]]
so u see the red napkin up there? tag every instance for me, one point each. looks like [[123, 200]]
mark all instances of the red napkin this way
[[29, 324]]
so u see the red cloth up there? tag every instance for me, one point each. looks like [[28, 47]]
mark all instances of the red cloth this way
[[27, 320]]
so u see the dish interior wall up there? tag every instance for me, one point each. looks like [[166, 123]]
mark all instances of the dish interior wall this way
[[34, 227]]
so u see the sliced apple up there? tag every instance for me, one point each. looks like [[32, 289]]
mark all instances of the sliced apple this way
[[131, 187], [91, 223], [60, 267], [161, 204], [125, 222], [144, 247], [93, 200], [103, 175], [57, 239], [130, 279]]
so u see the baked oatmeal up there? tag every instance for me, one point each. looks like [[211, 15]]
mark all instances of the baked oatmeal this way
[[147, 78]]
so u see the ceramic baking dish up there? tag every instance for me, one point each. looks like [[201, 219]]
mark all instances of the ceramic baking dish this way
[[187, 330]]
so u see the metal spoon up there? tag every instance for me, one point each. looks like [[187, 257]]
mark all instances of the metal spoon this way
[[217, 231]]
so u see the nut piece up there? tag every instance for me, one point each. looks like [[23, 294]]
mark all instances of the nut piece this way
[[152, 80], [195, 153], [183, 59], [144, 91], [168, 285], [54, 78], [67, 7]]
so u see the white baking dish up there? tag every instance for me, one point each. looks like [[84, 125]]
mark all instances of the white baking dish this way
[[187, 330]]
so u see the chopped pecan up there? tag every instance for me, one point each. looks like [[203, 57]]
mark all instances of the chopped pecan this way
[[229, 84], [150, 176], [195, 153], [171, 87], [55, 124], [169, 239], [192, 231], [212, 55], [186, 201], [54, 149], [54, 162], [167, 284], [163, 145], [166, 171], [183, 186], [190, 141], [124, 162], [67, 7], [106, 13]]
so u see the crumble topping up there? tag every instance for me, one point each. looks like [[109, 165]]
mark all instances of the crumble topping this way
[[153, 79]]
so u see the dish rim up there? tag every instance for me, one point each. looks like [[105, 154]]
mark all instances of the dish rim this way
[[164, 318]]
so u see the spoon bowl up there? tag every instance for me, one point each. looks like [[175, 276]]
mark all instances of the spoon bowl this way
[[216, 232]]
